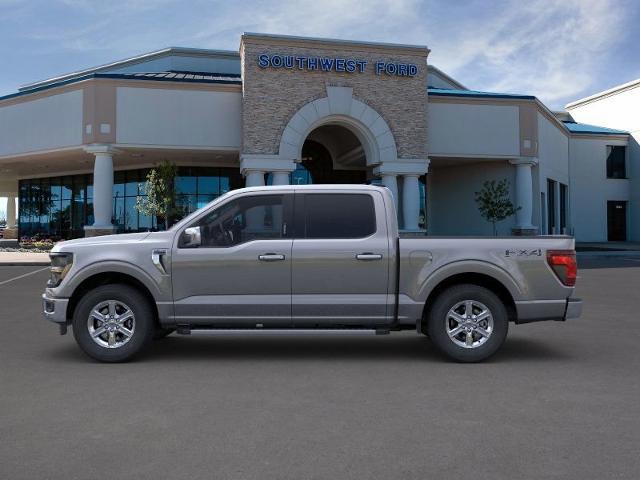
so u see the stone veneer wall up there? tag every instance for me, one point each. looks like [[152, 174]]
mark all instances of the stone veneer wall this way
[[271, 96]]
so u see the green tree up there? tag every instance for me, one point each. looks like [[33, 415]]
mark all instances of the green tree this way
[[160, 193], [494, 203]]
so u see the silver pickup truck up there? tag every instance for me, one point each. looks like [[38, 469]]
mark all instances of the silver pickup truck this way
[[305, 259]]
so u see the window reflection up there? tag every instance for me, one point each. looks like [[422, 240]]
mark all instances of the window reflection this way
[[60, 207]]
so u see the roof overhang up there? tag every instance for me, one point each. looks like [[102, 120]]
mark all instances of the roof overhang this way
[[605, 93], [449, 78], [224, 82], [462, 96], [145, 57]]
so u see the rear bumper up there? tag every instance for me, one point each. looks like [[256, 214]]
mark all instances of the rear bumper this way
[[542, 310], [574, 308], [54, 309]]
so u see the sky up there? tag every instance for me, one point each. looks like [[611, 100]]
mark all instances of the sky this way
[[558, 50]]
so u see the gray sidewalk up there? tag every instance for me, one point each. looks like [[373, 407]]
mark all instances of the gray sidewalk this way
[[607, 246], [24, 258]]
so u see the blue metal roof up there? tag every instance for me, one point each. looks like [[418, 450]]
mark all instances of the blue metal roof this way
[[444, 92], [173, 76], [575, 127], [176, 75]]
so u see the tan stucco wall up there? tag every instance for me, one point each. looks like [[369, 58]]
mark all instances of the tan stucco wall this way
[[272, 96]]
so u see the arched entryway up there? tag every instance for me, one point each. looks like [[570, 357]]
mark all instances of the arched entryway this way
[[332, 154], [339, 139]]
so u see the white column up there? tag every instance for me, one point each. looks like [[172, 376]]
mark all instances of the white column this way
[[524, 192], [102, 189], [254, 166], [254, 216], [280, 178], [410, 201], [254, 178], [410, 170], [390, 181], [11, 211]]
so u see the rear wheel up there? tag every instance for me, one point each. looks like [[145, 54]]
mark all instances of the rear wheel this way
[[113, 323], [468, 323]]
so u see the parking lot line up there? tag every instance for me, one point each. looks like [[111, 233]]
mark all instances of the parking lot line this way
[[24, 275]]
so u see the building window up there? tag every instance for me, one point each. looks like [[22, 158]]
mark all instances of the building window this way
[[422, 219], [551, 206], [563, 207], [616, 161], [60, 207], [543, 216]]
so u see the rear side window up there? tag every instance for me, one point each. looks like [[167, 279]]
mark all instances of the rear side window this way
[[337, 215]]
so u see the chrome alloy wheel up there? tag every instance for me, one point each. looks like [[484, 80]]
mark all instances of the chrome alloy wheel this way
[[469, 324], [111, 324]]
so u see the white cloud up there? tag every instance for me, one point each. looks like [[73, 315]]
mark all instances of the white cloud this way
[[554, 49], [349, 19], [548, 48]]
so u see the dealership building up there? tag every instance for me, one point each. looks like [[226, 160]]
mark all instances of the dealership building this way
[[75, 149]]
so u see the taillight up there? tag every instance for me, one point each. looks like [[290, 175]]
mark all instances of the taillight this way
[[563, 263]]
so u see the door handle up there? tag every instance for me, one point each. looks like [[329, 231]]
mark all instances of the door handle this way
[[271, 257], [368, 256]]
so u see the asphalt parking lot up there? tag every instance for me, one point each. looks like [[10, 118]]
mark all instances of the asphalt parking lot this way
[[561, 400]]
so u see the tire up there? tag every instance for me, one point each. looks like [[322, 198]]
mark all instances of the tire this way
[[460, 337], [161, 333], [105, 339]]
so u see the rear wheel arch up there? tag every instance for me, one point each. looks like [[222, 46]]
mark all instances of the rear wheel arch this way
[[470, 278]]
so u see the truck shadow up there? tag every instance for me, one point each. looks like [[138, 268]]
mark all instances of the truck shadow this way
[[177, 349], [402, 347]]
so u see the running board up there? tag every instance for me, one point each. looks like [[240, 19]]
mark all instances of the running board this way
[[280, 331]]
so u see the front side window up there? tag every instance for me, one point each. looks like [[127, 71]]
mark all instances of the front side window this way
[[616, 161], [259, 217], [338, 215]]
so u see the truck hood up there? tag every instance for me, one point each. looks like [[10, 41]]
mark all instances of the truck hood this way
[[101, 240]]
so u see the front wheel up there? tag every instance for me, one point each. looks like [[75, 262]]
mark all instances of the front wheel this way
[[468, 323], [112, 323]]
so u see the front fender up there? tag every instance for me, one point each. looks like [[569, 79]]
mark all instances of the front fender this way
[[157, 284]]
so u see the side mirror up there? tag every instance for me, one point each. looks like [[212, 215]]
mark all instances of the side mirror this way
[[191, 238]]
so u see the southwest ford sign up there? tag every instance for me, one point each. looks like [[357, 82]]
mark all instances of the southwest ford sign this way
[[331, 64]]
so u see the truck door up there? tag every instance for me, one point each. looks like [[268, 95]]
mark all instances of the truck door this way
[[232, 267], [340, 269]]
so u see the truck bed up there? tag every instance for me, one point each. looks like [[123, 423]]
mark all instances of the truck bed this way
[[518, 263]]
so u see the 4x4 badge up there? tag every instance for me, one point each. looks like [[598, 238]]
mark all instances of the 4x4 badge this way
[[523, 252]]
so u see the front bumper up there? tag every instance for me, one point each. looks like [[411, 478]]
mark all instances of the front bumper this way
[[574, 308], [54, 309]]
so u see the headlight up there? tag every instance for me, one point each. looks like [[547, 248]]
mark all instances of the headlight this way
[[60, 265]]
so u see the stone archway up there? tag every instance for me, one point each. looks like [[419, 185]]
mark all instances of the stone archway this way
[[340, 108]]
